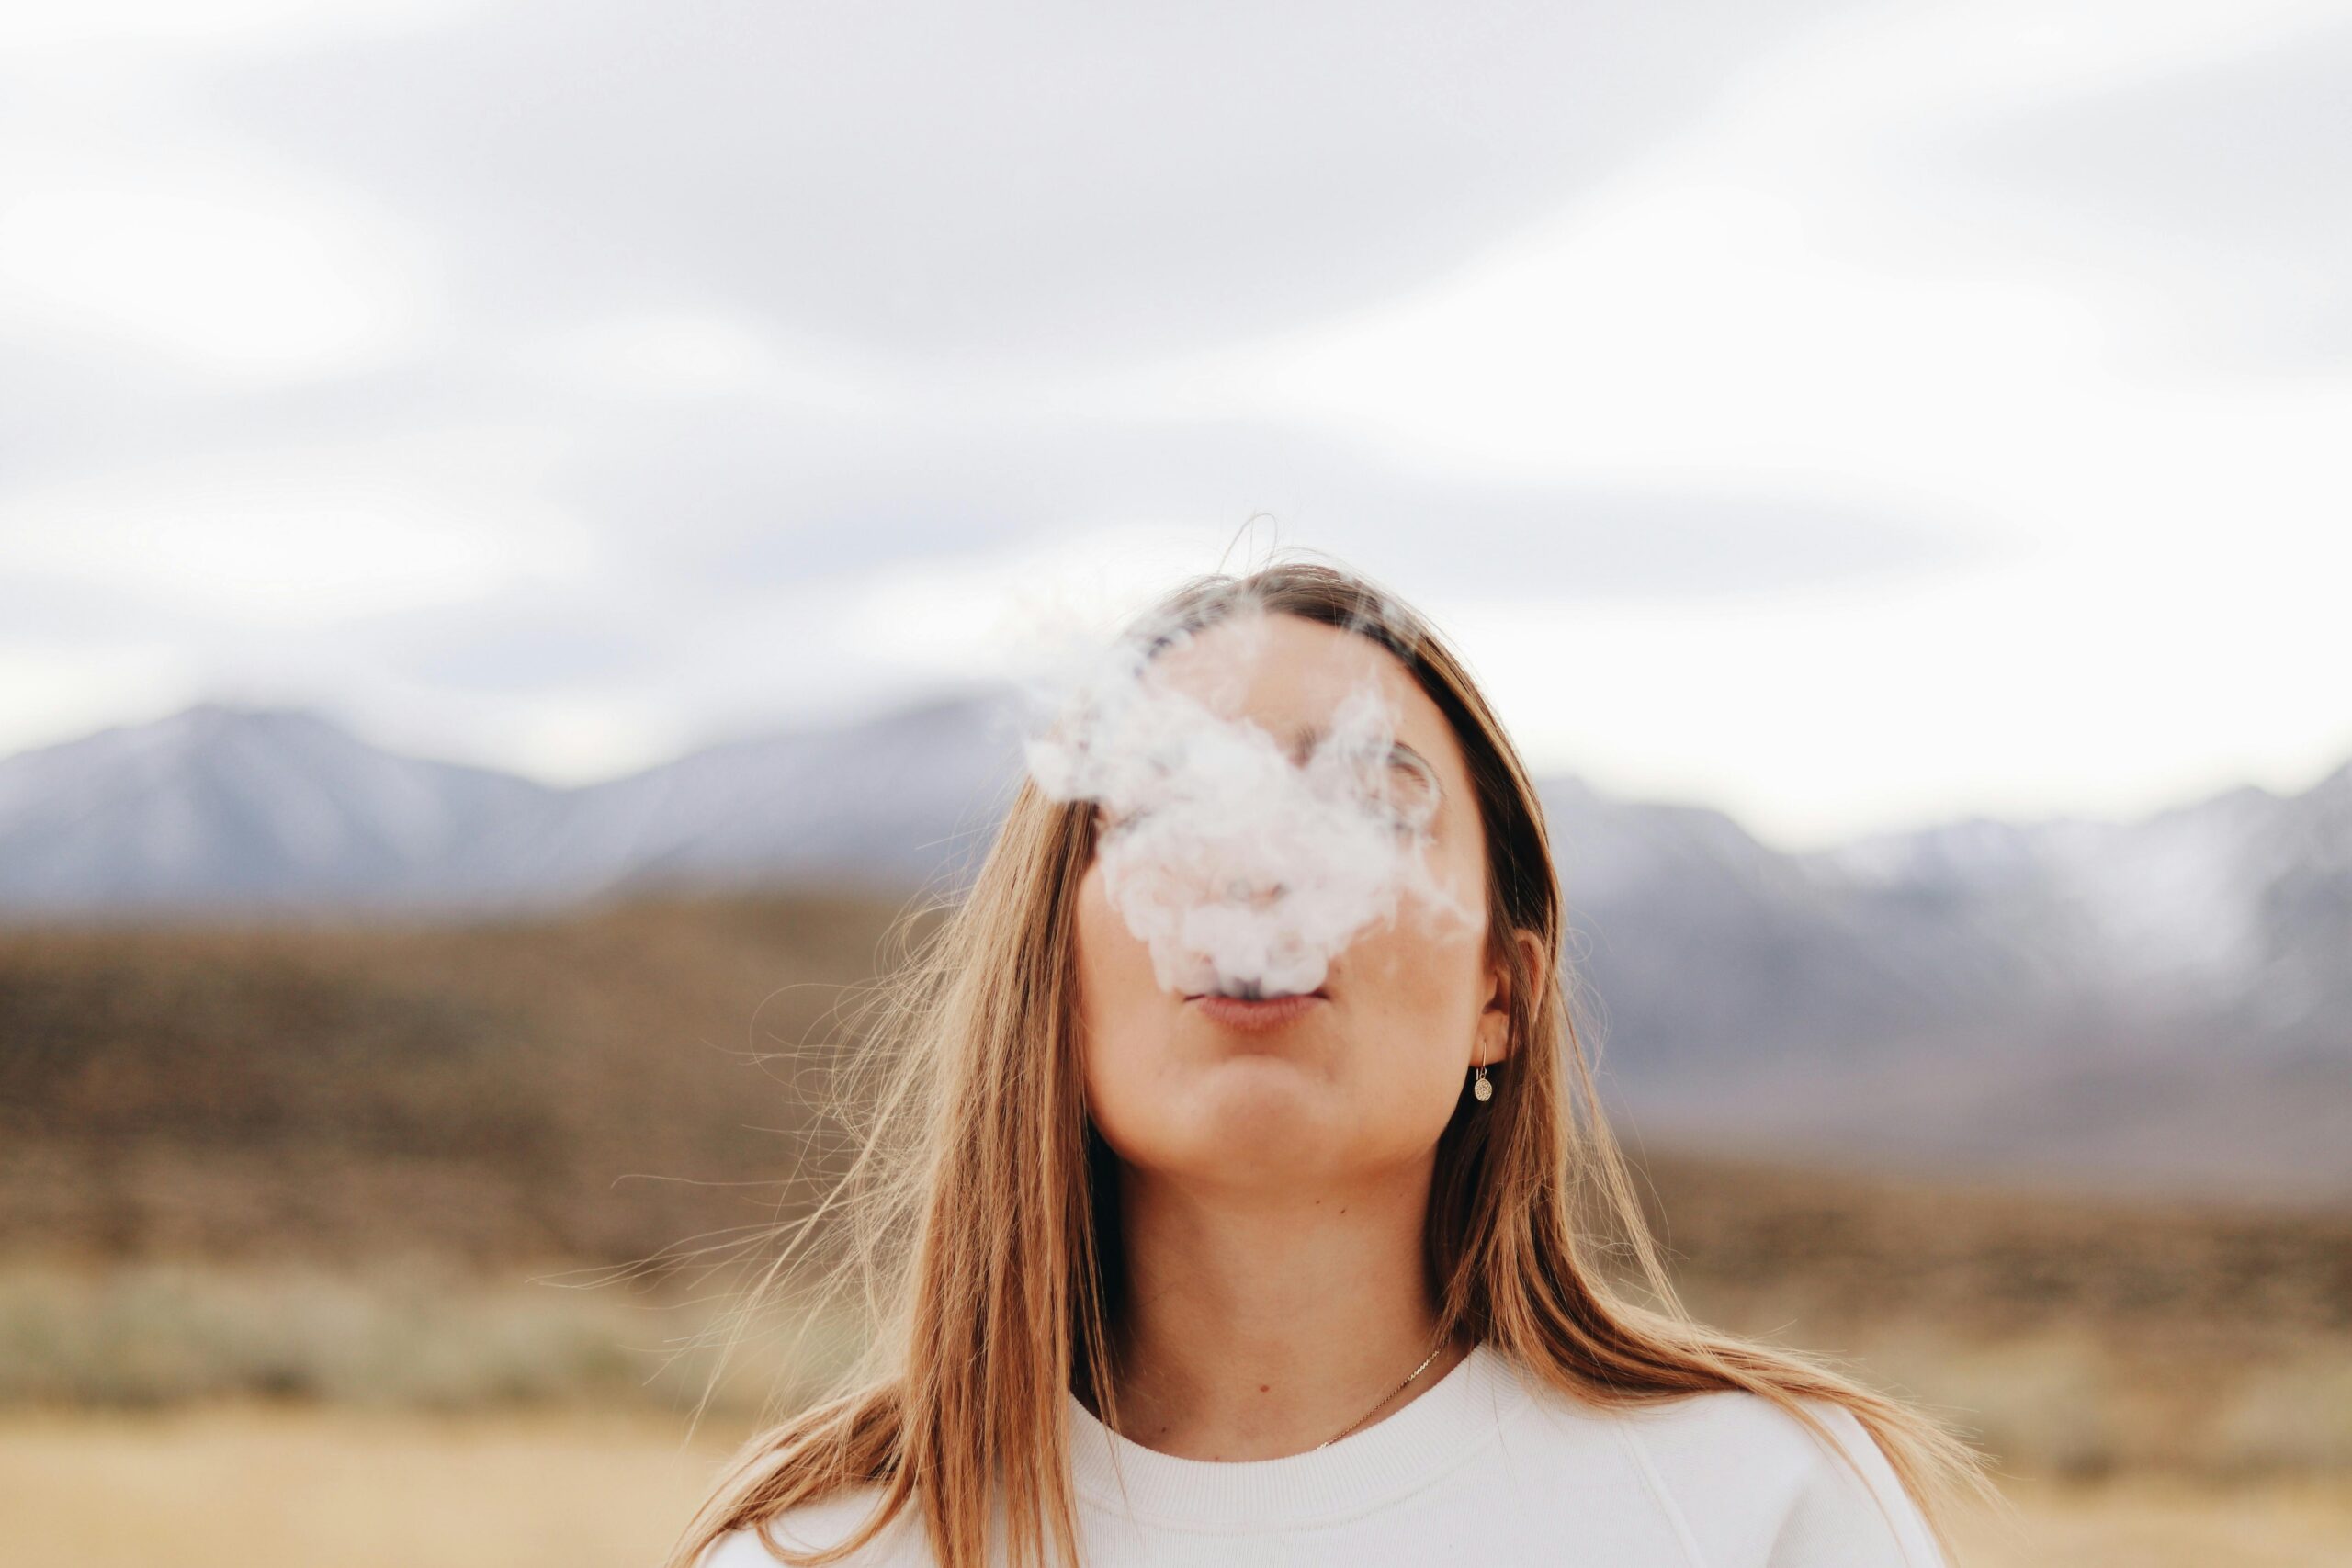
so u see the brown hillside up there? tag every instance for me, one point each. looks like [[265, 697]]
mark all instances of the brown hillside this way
[[275, 1157], [490, 1092], [599, 1086]]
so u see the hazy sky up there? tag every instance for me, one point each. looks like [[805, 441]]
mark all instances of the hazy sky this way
[[1847, 414]]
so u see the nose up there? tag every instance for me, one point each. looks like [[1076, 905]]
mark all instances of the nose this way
[[1252, 890]]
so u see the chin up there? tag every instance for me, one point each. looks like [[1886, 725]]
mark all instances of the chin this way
[[1261, 1103]]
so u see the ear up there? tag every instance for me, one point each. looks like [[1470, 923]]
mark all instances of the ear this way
[[1494, 1020]]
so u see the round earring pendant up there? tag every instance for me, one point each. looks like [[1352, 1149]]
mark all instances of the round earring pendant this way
[[1481, 1089]]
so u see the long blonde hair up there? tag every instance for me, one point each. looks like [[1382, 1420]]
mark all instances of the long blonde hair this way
[[982, 1227]]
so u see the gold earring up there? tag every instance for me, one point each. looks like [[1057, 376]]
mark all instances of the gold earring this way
[[1481, 1089]]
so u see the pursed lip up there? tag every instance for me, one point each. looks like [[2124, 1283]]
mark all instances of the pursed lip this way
[[1317, 991], [1262, 1016]]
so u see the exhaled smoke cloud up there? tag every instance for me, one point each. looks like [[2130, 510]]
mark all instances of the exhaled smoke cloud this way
[[1245, 866]]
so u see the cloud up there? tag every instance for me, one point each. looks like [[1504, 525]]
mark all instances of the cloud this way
[[306, 534], [526, 640], [664, 368], [738, 502], [1044, 184], [723, 566], [2210, 203], [208, 260]]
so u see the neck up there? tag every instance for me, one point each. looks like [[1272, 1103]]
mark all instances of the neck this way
[[1261, 1325]]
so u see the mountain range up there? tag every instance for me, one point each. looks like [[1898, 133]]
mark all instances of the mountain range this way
[[2156, 1003]]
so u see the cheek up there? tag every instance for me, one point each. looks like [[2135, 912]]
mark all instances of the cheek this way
[[1122, 1011], [1114, 964], [1419, 980], [1458, 866], [1415, 986], [1125, 1037]]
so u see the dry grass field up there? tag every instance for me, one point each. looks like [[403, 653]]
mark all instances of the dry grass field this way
[[302, 1231], [302, 1488]]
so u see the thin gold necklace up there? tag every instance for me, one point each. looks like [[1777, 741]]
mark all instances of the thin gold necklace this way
[[1384, 1398]]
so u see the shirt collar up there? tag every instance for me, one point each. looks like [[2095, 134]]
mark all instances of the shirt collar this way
[[1445, 1426]]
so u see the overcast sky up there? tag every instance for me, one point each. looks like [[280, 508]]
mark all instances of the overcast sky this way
[[1847, 414]]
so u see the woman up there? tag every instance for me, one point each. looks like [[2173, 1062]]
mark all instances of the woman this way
[[1171, 1278]]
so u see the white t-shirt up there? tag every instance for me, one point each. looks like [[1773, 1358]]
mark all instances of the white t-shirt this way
[[1487, 1468]]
